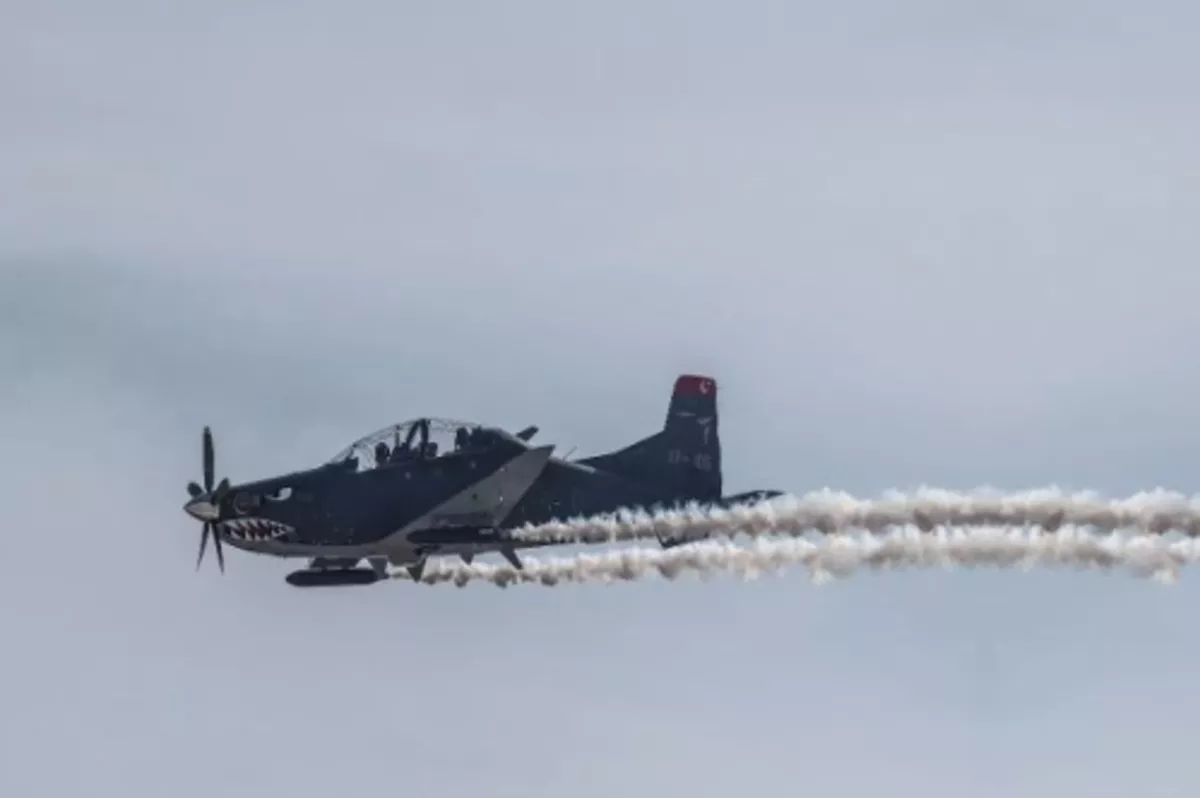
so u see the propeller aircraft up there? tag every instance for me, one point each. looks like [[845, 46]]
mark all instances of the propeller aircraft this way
[[434, 487]]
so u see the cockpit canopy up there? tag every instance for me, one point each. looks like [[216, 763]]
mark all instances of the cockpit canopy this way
[[423, 438]]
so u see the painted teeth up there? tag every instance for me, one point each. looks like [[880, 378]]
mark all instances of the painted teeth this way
[[255, 529]]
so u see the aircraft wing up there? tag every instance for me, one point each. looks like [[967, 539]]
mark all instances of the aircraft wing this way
[[483, 505], [468, 523]]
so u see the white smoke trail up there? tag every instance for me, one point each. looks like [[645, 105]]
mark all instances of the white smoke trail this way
[[831, 512], [840, 556]]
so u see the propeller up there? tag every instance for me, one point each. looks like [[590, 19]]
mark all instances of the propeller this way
[[211, 501]]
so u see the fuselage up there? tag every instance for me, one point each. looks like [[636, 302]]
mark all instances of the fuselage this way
[[339, 511], [456, 503]]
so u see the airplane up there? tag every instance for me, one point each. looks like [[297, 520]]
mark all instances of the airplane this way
[[433, 487]]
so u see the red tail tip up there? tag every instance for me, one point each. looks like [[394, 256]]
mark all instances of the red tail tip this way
[[693, 384]]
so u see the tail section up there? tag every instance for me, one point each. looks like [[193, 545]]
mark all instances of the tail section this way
[[691, 439], [685, 456]]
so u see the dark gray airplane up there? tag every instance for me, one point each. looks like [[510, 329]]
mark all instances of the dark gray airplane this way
[[434, 487]]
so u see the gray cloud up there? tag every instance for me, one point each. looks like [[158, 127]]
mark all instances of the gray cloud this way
[[922, 245]]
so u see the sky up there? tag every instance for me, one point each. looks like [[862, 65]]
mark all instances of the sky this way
[[924, 243]]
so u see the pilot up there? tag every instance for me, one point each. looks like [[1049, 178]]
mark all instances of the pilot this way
[[381, 453], [403, 451]]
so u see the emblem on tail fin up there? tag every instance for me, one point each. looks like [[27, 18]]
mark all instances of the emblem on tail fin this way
[[692, 384]]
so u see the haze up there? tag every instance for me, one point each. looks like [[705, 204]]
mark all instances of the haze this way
[[917, 244]]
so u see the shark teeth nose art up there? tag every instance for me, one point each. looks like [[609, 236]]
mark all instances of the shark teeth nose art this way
[[254, 529]]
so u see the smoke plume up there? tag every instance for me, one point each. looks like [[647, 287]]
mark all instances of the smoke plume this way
[[831, 512], [839, 556]]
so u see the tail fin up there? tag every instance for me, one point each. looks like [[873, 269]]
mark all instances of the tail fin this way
[[691, 436], [685, 456]]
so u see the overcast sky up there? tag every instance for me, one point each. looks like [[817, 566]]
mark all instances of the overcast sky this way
[[916, 243]]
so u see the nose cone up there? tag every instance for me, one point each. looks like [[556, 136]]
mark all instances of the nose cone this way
[[202, 509]]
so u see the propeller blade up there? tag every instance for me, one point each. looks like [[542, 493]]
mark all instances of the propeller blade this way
[[208, 460], [216, 497], [217, 546], [203, 543]]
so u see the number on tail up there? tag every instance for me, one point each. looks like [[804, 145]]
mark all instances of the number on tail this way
[[701, 461]]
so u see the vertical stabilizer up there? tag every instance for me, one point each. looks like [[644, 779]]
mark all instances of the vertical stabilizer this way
[[685, 456]]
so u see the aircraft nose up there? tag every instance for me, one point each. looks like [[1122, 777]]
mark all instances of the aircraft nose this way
[[202, 509]]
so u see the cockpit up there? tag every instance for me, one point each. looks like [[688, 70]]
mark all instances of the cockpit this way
[[420, 439]]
